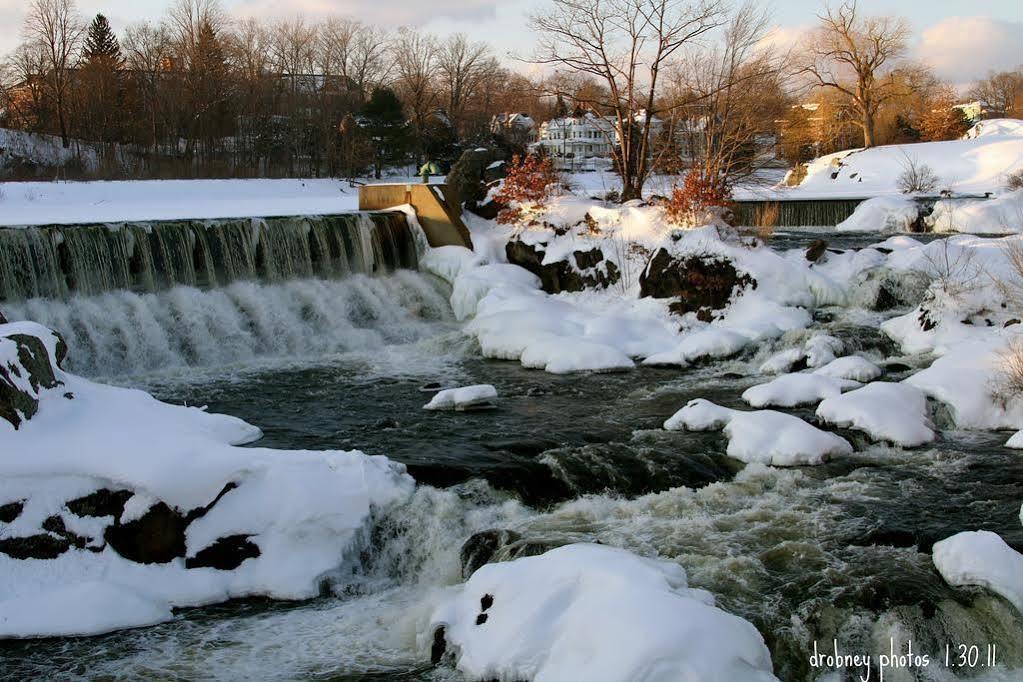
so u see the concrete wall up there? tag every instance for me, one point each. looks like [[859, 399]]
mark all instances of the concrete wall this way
[[442, 224]]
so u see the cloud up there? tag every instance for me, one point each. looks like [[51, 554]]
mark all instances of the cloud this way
[[387, 12], [963, 49]]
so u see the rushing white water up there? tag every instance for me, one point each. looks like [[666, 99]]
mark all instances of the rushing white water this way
[[127, 333]]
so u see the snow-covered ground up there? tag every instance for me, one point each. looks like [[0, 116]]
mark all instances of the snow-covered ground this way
[[48, 203], [976, 164]]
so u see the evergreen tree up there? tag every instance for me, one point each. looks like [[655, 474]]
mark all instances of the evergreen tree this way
[[101, 46], [101, 84], [384, 119], [560, 108]]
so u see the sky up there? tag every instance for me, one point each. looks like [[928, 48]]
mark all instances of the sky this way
[[960, 40]]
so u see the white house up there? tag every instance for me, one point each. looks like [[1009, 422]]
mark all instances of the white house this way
[[575, 141]]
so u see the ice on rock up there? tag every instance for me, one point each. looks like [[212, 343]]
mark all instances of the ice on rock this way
[[981, 558], [851, 367], [792, 390], [891, 412], [1016, 441], [709, 342], [821, 349], [761, 436], [594, 613], [817, 351], [462, 398], [782, 361]]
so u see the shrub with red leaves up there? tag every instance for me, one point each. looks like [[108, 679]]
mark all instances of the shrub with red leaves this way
[[700, 192], [530, 181]]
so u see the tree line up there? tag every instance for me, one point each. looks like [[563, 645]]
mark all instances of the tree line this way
[[684, 83], [197, 93]]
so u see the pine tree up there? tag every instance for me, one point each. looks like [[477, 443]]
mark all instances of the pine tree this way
[[388, 131], [101, 46], [560, 108], [101, 83]]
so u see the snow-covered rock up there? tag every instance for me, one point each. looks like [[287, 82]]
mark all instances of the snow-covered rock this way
[[891, 412], [981, 558], [851, 367], [792, 390], [762, 436], [462, 398], [595, 613], [98, 468]]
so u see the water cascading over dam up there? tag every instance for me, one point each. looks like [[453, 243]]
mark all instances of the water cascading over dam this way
[[139, 297], [59, 261]]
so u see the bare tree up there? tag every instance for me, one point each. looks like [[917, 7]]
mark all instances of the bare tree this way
[[415, 62], [856, 56], [724, 99], [463, 67], [147, 48], [1002, 92], [625, 45], [56, 27]]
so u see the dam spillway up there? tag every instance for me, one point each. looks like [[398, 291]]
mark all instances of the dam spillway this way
[[61, 261]]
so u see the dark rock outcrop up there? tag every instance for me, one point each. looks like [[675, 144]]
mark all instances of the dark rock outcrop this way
[[33, 365], [41, 546], [816, 250], [3, 320], [11, 511], [157, 537], [562, 275], [103, 502], [226, 554], [481, 548], [699, 283]]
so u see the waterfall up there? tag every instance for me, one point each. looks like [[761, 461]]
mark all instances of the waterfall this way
[[128, 333], [59, 261]]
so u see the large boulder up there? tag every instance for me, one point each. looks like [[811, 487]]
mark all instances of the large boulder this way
[[585, 270], [470, 178], [157, 537], [25, 370], [699, 283]]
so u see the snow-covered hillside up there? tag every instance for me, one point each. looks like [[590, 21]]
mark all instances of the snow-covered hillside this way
[[21, 148], [976, 164]]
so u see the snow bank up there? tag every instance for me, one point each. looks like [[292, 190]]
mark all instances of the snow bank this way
[[763, 436], [882, 214], [595, 613], [462, 398], [1000, 215], [792, 390], [967, 378], [981, 558], [975, 164], [283, 520], [890, 412]]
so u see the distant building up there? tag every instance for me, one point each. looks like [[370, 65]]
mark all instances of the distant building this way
[[518, 129], [586, 141], [977, 111]]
